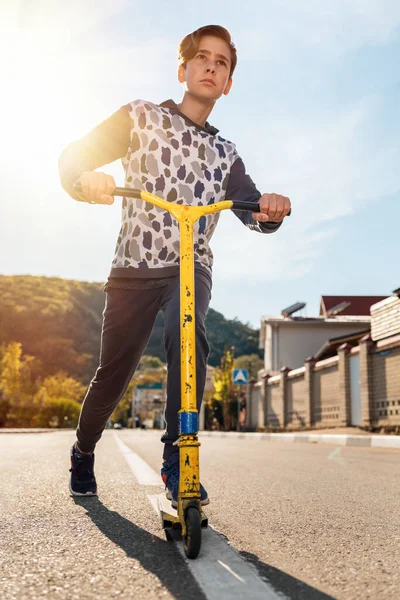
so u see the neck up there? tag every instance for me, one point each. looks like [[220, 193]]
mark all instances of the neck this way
[[195, 109]]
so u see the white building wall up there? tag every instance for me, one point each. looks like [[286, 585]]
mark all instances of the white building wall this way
[[294, 342]]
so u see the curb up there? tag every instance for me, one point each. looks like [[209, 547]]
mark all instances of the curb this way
[[378, 441], [5, 430]]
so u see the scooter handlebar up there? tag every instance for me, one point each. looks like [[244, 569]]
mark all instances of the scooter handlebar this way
[[251, 206], [119, 191], [135, 193]]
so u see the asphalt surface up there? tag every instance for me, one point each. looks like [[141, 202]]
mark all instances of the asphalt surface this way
[[316, 521]]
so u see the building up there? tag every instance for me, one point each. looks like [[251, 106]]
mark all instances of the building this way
[[288, 340], [386, 317], [353, 384]]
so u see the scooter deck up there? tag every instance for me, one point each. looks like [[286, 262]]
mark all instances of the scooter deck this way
[[169, 516]]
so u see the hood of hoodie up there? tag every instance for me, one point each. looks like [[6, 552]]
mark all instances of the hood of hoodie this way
[[171, 105]]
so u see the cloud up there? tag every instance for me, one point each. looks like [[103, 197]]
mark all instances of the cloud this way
[[329, 167], [334, 28]]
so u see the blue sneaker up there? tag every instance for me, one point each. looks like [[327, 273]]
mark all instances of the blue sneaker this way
[[170, 477], [82, 481]]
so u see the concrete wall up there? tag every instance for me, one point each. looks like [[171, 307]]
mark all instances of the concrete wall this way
[[296, 399], [385, 401], [319, 394], [325, 397], [274, 403]]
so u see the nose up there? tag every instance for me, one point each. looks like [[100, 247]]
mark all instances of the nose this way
[[210, 68]]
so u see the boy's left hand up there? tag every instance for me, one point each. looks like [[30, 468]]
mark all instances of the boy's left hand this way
[[273, 208]]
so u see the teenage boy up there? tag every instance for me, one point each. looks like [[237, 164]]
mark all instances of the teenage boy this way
[[172, 151]]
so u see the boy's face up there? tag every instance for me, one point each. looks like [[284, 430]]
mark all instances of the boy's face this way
[[206, 75]]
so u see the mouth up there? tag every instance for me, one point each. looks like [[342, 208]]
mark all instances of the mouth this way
[[208, 81]]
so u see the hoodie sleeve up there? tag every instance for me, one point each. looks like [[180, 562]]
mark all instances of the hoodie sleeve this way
[[242, 187], [106, 143]]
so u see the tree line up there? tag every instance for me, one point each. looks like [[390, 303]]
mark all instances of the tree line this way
[[59, 322], [49, 346], [29, 400]]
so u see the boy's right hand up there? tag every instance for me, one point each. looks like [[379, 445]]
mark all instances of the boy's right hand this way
[[97, 187]]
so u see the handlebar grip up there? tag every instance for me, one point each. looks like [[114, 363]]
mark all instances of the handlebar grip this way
[[127, 192], [250, 206], [119, 191], [245, 205]]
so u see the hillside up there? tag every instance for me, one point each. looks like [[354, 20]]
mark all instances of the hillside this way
[[59, 322]]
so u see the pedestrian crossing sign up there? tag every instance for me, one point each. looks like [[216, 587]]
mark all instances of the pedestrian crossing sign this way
[[240, 376]]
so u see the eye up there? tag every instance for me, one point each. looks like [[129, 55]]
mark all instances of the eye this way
[[201, 56], [222, 62]]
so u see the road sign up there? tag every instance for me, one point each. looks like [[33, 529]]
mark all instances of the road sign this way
[[240, 376]]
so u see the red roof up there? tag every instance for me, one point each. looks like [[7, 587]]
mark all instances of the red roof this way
[[359, 305]]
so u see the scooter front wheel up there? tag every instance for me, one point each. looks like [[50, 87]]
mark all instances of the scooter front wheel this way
[[192, 539]]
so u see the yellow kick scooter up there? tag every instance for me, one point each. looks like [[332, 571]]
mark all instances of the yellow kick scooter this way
[[190, 517]]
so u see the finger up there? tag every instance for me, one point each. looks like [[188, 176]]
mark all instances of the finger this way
[[272, 207], [110, 189], [286, 207], [93, 185], [261, 217], [101, 186], [84, 181], [280, 209], [106, 199], [280, 213], [105, 189]]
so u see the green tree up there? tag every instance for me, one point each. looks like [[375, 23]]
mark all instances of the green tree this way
[[57, 402], [61, 385], [10, 371], [252, 362], [57, 412], [10, 381], [150, 362], [16, 387], [224, 392]]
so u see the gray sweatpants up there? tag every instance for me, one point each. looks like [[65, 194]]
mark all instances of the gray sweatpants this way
[[128, 320]]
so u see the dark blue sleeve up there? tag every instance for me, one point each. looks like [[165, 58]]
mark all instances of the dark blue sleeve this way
[[103, 145], [242, 187]]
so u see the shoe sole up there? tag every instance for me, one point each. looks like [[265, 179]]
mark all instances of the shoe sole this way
[[175, 504], [80, 494]]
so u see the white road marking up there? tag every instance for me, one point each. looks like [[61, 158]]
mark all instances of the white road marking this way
[[141, 470], [230, 571], [219, 569]]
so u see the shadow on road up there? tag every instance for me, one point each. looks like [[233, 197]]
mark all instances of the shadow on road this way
[[155, 555], [292, 588], [163, 559]]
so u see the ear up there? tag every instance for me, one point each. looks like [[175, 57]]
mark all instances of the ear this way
[[228, 87], [181, 74]]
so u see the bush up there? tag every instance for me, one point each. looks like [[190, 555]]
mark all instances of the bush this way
[[58, 412]]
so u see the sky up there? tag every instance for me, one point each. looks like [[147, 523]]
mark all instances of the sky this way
[[313, 111]]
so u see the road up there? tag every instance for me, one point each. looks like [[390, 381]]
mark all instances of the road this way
[[295, 521]]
